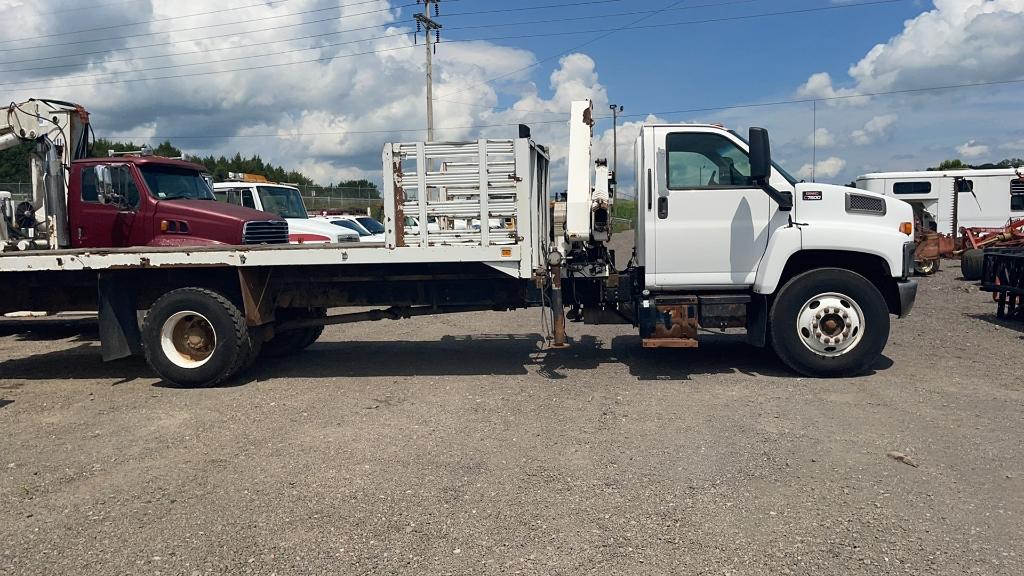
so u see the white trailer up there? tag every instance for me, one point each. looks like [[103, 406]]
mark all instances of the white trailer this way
[[945, 200], [724, 238]]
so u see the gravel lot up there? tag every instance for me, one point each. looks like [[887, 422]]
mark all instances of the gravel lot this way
[[457, 445]]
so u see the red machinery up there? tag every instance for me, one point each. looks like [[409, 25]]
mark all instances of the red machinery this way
[[1010, 235]]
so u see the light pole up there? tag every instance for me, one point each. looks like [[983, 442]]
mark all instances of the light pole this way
[[616, 109]]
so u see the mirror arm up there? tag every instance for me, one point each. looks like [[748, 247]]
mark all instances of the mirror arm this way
[[783, 199]]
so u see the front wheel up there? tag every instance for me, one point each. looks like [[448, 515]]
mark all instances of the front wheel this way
[[196, 337], [829, 323]]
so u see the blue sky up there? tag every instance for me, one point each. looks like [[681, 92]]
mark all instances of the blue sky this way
[[305, 100]]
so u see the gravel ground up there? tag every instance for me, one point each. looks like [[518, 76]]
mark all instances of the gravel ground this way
[[457, 445]]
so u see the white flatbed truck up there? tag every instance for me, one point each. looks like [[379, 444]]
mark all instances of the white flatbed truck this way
[[724, 238]]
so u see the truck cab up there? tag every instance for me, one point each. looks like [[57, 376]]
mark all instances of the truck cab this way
[[154, 201], [814, 269]]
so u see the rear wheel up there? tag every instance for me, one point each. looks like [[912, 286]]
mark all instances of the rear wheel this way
[[294, 341], [828, 323], [970, 264], [196, 337]]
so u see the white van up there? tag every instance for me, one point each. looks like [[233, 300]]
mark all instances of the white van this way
[[983, 198], [286, 202]]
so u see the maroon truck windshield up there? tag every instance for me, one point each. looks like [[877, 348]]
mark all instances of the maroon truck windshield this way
[[170, 183]]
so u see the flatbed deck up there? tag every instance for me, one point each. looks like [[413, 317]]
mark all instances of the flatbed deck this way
[[504, 258]]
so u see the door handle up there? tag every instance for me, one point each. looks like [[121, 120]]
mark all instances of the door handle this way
[[663, 207]]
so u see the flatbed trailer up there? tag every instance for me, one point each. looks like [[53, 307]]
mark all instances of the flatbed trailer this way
[[731, 241]]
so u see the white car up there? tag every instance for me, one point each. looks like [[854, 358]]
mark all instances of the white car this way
[[368, 229], [286, 202], [412, 225]]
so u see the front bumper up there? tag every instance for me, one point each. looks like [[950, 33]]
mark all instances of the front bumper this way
[[908, 293]]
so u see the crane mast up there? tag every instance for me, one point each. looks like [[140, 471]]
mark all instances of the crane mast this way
[[60, 132]]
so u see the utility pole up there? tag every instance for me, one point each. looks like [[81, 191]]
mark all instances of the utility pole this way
[[428, 25], [616, 110]]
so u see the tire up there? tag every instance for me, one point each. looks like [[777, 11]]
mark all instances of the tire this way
[[823, 302], [294, 341], [971, 262], [926, 268], [194, 337]]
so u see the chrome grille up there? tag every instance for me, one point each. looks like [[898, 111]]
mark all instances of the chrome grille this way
[[865, 204], [1016, 186], [265, 232]]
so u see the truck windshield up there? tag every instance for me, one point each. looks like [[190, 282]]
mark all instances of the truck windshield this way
[[172, 183], [285, 202], [370, 224]]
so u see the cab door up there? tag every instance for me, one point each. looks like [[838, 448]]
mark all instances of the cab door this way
[[711, 224], [106, 221]]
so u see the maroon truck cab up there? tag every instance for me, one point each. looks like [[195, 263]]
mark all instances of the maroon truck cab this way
[[154, 201]]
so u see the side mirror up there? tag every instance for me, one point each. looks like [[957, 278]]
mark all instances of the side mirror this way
[[104, 184], [761, 168], [760, 155]]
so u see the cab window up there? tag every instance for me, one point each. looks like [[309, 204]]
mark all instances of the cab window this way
[[123, 186], [699, 160], [247, 200]]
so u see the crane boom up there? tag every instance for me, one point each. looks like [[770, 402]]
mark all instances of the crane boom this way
[[60, 132]]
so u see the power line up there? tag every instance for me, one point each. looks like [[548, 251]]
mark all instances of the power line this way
[[228, 35], [310, 36], [605, 32], [542, 7], [126, 24], [90, 7], [205, 26], [577, 47], [233, 34], [607, 117], [635, 26]]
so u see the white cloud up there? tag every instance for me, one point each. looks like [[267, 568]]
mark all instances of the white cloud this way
[[314, 104], [875, 129], [821, 138], [828, 168], [971, 149], [959, 41]]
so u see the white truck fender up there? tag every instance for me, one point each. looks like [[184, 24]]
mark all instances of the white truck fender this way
[[784, 242], [788, 241]]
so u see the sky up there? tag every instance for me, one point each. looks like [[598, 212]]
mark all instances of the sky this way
[[844, 87]]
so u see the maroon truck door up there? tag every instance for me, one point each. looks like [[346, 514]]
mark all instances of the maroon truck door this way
[[98, 224]]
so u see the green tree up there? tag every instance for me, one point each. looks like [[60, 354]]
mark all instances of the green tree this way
[[955, 164]]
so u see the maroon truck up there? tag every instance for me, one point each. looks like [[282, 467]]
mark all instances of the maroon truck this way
[[153, 201], [120, 202]]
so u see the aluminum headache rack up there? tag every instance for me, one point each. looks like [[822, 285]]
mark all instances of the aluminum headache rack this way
[[482, 193]]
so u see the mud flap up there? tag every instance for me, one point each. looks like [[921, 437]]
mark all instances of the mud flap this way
[[118, 317]]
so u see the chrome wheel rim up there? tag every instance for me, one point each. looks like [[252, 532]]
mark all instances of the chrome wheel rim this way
[[830, 324]]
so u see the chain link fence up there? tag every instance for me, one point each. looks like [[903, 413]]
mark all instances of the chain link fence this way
[[341, 199]]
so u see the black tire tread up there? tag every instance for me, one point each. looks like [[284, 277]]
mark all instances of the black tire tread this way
[[971, 262], [854, 362], [245, 350]]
